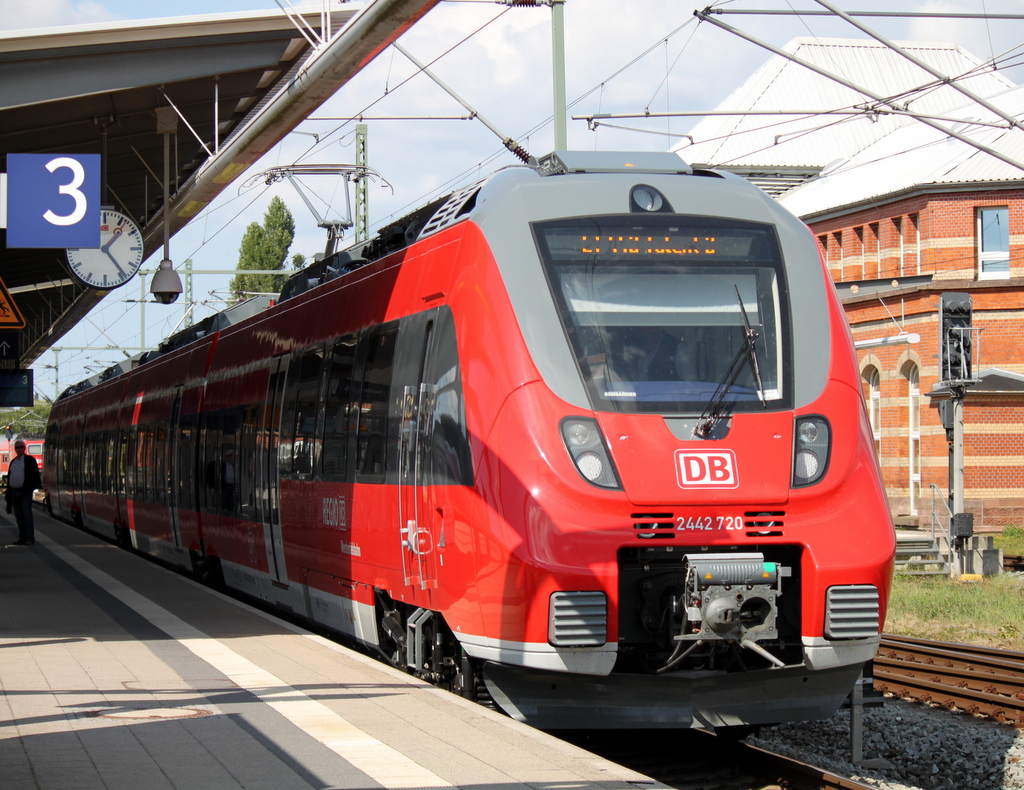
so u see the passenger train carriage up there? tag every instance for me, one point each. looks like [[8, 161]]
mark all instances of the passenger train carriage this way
[[586, 437]]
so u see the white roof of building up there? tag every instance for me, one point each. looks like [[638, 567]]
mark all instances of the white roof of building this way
[[917, 157], [812, 139]]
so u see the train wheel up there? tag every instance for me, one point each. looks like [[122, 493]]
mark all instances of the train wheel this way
[[207, 569], [123, 537], [472, 685]]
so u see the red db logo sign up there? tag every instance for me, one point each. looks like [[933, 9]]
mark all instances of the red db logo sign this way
[[697, 468]]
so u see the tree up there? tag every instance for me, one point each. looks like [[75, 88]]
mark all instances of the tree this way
[[264, 247]]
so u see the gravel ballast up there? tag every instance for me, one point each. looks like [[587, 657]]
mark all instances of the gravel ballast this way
[[928, 748]]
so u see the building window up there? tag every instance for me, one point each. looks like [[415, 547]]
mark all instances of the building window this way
[[910, 245], [993, 243], [914, 425], [873, 397], [872, 254]]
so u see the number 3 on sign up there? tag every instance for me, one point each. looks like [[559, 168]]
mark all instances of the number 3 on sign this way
[[71, 188], [53, 200]]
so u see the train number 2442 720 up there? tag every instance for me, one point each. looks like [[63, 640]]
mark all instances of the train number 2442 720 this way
[[709, 523]]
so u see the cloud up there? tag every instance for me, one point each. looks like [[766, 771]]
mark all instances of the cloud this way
[[505, 74], [19, 15]]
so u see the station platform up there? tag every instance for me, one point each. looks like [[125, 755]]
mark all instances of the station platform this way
[[117, 673]]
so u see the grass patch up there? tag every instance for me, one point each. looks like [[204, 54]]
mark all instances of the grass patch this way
[[990, 612], [1011, 541]]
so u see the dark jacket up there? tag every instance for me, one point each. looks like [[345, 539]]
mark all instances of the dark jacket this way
[[32, 478]]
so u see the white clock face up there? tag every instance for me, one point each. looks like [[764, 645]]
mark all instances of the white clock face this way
[[118, 257]]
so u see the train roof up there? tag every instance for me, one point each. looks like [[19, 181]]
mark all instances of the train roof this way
[[424, 221], [214, 323], [451, 208]]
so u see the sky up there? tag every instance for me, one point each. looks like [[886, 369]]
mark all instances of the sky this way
[[625, 57]]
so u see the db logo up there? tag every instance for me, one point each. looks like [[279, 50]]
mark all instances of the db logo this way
[[699, 468]]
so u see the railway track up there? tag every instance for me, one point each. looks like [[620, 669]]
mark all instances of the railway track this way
[[692, 759], [800, 776], [1013, 562], [978, 680]]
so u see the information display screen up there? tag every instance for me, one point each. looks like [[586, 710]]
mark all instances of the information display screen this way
[[16, 388], [614, 240]]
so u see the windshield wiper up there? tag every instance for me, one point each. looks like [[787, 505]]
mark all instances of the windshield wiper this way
[[713, 412]]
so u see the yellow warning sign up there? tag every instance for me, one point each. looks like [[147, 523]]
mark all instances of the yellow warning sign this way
[[10, 315]]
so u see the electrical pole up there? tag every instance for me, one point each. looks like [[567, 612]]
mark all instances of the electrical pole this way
[[558, 63], [362, 218]]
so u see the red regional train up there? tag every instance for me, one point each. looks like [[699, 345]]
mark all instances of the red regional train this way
[[33, 447], [586, 436]]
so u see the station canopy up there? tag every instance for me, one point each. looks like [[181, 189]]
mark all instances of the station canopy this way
[[97, 89]]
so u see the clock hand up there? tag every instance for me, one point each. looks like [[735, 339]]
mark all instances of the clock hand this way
[[114, 261], [118, 232]]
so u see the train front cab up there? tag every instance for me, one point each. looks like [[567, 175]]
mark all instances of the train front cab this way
[[704, 521]]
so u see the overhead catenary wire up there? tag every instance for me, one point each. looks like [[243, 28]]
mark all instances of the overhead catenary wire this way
[[860, 89]]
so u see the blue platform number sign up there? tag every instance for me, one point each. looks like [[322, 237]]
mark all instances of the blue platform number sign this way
[[53, 200]]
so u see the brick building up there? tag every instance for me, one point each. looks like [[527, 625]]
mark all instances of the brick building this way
[[904, 212]]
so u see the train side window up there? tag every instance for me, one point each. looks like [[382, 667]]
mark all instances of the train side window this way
[[228, 460], [88, 483], [109, 448], [270, 439], [209, 498], [371, 445], [138, 461], [161, 479], [452, 460], [126, 488], [338, 411], [298, 449], [284, 447], [186, 453], [149, 462], [246, 475]]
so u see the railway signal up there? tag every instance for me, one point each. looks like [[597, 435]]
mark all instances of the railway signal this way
[[955, 368], [955, 347]]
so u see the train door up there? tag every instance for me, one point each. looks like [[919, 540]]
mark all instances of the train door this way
[[266, 473], [415, 494], [175, 471]]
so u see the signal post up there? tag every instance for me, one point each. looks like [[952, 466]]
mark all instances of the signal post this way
[[955, 367]]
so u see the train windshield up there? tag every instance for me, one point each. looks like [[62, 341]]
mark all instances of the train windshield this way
[[658, 310]]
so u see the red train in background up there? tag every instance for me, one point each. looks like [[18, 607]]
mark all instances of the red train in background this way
[[33, 447], [586, 435]]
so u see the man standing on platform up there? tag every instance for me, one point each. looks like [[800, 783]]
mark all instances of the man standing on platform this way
[[22, 481]]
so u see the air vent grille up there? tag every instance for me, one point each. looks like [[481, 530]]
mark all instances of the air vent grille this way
[[852, 612], [451, 210], [578, 619]]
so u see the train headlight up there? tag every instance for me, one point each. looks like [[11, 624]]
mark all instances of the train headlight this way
[[811, 451], [579, 434], [586, 447], [645, 198]]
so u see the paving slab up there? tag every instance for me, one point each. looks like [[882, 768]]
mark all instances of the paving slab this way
[[118, 673]]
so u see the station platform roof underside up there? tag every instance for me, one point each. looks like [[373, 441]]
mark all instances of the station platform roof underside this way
[[96, 89]]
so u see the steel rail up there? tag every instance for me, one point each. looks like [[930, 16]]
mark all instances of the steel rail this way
[[797, 774], [979, 680], [951, 655], [700, 759]]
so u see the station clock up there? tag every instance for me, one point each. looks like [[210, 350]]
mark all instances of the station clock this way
[[116, 260]]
